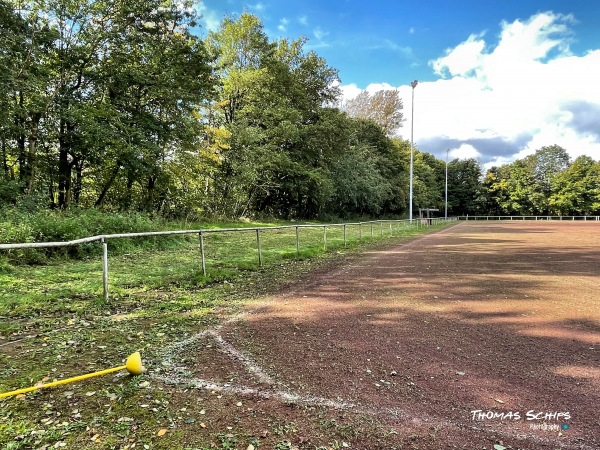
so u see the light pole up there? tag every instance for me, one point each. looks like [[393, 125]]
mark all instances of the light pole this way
[[412, 123], [446, 213]]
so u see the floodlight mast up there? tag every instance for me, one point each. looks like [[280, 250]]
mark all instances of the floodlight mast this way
[[446, 213], [412, 122]]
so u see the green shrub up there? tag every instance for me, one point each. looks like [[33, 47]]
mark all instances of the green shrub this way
[[17, 225]]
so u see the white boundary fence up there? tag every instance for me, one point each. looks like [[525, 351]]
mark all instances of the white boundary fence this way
[[103, 239], [583, 218]]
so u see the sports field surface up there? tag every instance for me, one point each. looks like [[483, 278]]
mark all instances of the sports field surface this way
[[483, 335]]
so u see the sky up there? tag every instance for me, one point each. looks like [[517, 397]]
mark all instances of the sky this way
[[498, 79]]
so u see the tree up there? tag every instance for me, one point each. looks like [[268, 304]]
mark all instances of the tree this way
[[526, 185], [271, 94], [383, 107], [577, 189], [26, 37], [359, 188], [156, 77], [463, 186], [545, 164], [96, 89]]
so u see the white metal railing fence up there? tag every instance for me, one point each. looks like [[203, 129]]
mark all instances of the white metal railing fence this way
[[103, 239], [571, 218]]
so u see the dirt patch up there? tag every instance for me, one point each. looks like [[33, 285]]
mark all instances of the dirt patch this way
[[483, 334]]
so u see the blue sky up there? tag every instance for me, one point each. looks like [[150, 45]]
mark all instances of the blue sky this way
[[497, 78]]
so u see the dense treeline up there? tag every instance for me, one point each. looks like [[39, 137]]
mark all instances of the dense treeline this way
[[121, 106], [545, 183]]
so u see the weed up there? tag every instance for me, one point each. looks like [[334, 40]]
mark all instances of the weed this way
[[283, 445], [228, 441], [283, 429]]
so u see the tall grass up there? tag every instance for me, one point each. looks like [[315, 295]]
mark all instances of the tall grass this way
[[19, 225]]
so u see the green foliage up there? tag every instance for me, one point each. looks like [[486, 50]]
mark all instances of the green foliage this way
[[102, 95], [359, 187], [545, 183], [464, 184], [577, 189], [17, 225]]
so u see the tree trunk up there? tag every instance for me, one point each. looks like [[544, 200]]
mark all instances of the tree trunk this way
[[64, 167], [32, 149], [4, 158], [51, 194], [77, 186], [150, 196], [109, 183], [22, 157]]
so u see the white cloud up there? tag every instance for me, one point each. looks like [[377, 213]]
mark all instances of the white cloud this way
[[465, 151], [303, 20], [375, 87], [210, 19], [387, 44], [283, 23], [497, 101], [257, 7], [349, 91], [462, 59], [319, 33]]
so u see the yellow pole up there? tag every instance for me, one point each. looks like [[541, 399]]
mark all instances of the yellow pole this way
[[133, 365]]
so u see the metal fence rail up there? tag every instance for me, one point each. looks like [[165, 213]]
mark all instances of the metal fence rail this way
[[103, 239], [582, 218]]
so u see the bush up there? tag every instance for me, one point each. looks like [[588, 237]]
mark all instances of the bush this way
[[17, 225]]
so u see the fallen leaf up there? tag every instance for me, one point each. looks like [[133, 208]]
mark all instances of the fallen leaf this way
[[162, 432]]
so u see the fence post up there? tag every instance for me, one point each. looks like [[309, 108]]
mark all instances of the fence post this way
[[202, 253], [297, 242], [360, 231], [325, 238], [105, 268], [391, 231], [371, 230], [344, 235], [260, 263]]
